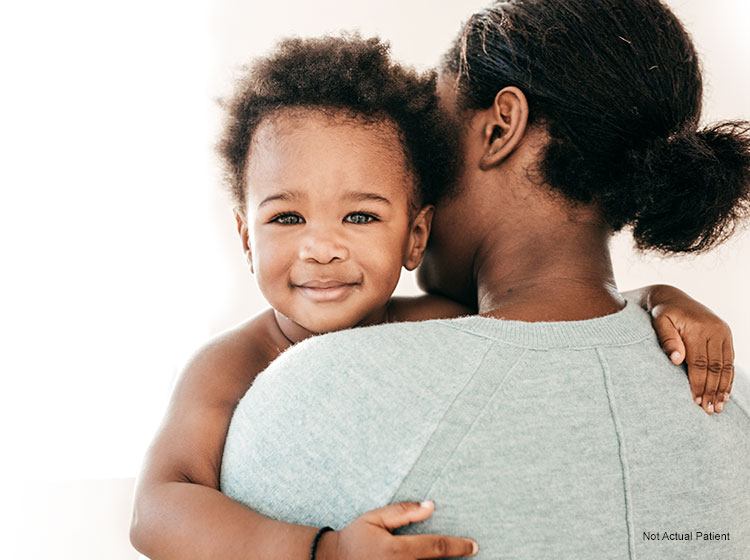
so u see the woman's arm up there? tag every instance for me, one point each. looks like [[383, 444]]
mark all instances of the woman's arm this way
[[690, 332]]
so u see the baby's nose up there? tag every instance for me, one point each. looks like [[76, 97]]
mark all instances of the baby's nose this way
[[323, 248]]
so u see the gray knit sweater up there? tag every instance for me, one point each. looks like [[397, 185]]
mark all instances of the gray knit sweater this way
[[572, 440]]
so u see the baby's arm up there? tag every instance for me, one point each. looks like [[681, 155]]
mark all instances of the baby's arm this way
[[426, 307], [689, 331], [179, 512]]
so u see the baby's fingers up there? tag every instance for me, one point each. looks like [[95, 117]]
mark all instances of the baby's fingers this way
[[436, 546], [398, 514], [715, 365], [669, 339], [697, 366], [727, 375]]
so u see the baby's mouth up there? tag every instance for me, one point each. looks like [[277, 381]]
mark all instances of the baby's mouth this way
[[326, 290]]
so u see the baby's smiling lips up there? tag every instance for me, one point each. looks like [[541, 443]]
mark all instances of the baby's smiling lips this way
[[326, 290]]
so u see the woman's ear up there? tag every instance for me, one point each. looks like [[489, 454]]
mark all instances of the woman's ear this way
[[242, 229], [418, 236], [505, 126]]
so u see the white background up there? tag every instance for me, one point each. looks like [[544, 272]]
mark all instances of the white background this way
[[119, 254]]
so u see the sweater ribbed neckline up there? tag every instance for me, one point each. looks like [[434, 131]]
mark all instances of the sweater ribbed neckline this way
[[629, 325]]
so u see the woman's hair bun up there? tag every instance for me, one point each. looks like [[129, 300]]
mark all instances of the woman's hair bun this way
[[689, 190], [682, 193]]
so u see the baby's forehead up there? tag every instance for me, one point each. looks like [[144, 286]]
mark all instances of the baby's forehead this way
[[308, 144], [380, 131]]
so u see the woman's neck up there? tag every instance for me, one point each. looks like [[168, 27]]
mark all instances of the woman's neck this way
[[548, 270]]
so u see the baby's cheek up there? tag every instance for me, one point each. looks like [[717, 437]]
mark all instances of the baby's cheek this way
[[385, 272], [273, 284]]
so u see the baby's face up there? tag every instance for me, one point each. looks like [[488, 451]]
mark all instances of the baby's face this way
[[328, 215]]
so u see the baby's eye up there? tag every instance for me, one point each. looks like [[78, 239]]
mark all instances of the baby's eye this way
[[288, 219], [359, 218]]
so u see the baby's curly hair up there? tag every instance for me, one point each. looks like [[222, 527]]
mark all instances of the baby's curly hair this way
[[341, 73]]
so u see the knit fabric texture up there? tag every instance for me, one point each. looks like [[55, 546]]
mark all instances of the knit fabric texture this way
[[569, 440]]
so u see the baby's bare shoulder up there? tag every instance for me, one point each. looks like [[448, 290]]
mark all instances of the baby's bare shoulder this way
[[426, 307], [241, 342], [229, 362]]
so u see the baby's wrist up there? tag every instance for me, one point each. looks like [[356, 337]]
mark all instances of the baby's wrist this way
[[327, 546], [663, 294]]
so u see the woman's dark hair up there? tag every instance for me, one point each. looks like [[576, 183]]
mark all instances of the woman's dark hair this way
[[340, 74], [617, 84]]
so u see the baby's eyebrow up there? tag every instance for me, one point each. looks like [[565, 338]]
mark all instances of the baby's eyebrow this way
[[283, 195], [359, 196]]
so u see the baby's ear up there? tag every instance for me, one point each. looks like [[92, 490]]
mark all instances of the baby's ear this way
[[242, 229], [418, 236]]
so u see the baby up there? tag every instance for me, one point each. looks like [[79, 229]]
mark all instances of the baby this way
[[335, 156]]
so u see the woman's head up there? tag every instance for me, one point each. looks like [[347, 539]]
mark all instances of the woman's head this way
[[331, 155], [616, 86]]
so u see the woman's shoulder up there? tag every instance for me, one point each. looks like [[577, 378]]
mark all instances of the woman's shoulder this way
[[393, 346], [425, 308]]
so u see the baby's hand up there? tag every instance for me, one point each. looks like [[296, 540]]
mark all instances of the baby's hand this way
[[369, 536], [690, 331]]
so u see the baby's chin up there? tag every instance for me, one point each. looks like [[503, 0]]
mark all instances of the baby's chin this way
[[322, 324], [323, 327]]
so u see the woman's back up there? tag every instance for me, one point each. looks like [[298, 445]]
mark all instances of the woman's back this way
[[560, 440]]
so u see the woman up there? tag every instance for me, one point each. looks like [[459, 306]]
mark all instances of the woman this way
[[549, 432], [583, 120]]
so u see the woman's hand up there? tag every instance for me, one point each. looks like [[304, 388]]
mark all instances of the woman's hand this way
[[369, 536], [690, 332]]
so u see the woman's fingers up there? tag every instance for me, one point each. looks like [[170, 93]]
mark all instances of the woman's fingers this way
[[436, 546], [399, 514]]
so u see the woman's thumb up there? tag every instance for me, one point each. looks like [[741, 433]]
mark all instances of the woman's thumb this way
[[399, 514]]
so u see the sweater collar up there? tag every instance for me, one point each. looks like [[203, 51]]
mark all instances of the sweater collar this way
[[630, 324]]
